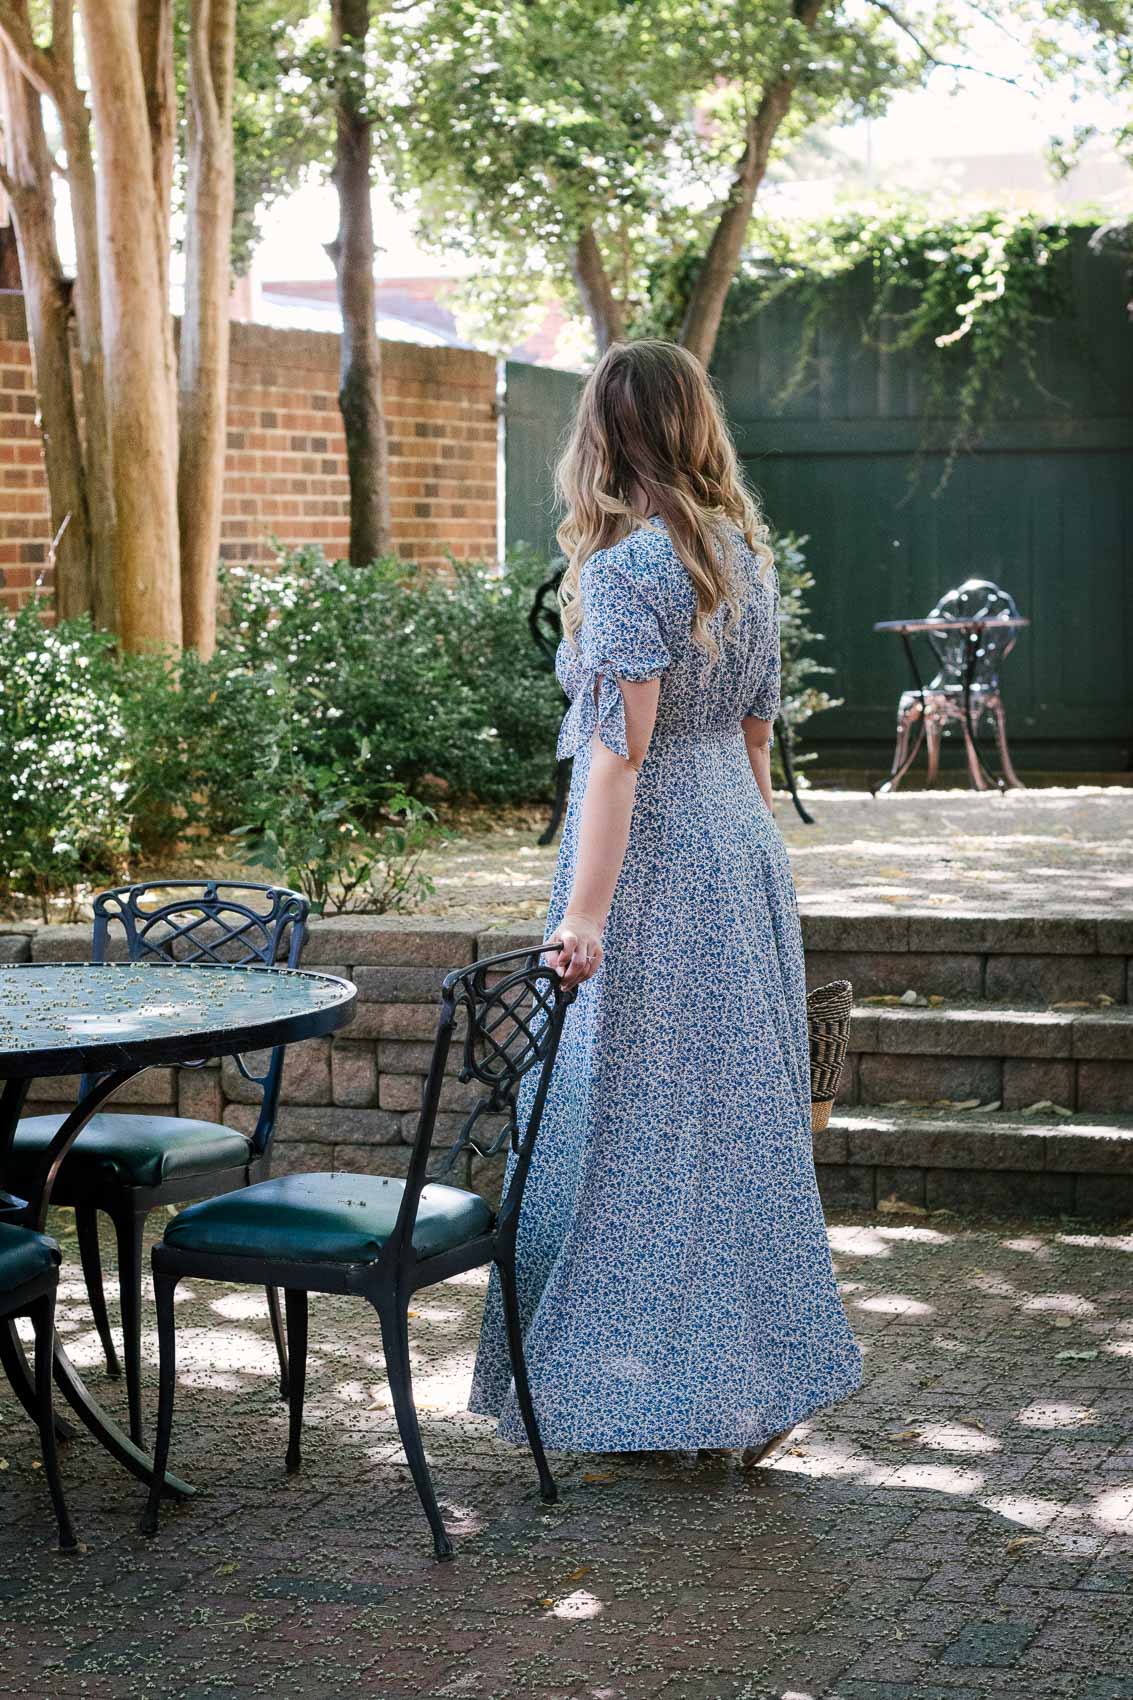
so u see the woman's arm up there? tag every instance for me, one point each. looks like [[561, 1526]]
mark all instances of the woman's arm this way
[[757, 737], [607, 809]]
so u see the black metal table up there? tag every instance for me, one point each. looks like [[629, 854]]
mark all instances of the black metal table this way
[[973, 631], [109, 1022]]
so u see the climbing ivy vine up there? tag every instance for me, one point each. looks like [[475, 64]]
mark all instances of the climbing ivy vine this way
[[969, 294]]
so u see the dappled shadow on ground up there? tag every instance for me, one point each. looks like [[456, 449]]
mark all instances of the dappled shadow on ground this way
[[963, 1527], [1020, 853]]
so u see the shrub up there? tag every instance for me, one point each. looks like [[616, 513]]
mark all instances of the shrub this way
[[801, 698], [398, 676], [64, 760]]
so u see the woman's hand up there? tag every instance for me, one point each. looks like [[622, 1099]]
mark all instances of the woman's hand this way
[[576, 949]]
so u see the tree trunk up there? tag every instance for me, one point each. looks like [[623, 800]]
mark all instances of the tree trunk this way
[[27, 180], [360, 379], [598, 298], [717, 273], [135, 315], [74, 119], [204, 326], [155, 52]]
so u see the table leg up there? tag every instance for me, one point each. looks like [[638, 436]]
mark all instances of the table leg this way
[[106, 1431], [14, 1363], [902, 762], [67, 1379]]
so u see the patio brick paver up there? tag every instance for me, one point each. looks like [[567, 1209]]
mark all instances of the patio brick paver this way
[[961, 1530]]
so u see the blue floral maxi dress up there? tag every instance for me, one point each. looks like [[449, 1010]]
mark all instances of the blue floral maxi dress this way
[[674, 1272]]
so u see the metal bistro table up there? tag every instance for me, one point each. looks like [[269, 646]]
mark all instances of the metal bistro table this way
[[973, 631], [109, 1022]]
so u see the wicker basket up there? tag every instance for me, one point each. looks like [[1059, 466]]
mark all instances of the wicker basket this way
[[828, 1020]]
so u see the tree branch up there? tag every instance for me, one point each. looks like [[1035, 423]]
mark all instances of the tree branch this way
[[930, 57], [36, 63], [603, 309], [201, 90]]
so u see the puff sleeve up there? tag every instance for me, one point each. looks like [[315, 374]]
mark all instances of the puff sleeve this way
[[620, 638], [764, 704]]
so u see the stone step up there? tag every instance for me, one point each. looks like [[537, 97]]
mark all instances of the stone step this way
[[1004, 958], [1077, 1058], [1003, 1162]]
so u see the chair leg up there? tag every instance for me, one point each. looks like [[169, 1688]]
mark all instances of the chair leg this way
[[164, 1292], [978, 782], [42, 1313], [932, 740], [1005, 764], [279, 1337], [86, 1221], [296, 1300], [393, 1313], [131, 1231], [510, 1295]]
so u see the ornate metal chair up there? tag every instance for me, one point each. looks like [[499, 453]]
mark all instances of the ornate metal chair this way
[[966, 687], [127, 1165], [382, 1238], [29, 1277]]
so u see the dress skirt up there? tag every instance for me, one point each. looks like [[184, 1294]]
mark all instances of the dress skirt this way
[[674, 1273]]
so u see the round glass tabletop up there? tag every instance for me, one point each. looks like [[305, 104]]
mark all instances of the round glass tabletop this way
[[70, 1018]]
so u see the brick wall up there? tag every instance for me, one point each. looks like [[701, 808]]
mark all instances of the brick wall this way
[[285, 475]]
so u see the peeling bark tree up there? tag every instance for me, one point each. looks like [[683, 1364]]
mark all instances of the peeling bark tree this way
[[74, 120], [135, 313], [155, 53], [360, 386], [26, 177], [204, 327]]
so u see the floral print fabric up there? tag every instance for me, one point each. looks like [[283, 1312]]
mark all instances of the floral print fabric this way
[[675, 1277]]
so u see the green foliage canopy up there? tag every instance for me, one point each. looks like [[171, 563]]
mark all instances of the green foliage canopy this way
[[519, 126]]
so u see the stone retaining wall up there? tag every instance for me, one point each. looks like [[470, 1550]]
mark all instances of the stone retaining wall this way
[[351, 1102]]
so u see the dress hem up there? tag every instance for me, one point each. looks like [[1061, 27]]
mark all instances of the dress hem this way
[[510, 1429]]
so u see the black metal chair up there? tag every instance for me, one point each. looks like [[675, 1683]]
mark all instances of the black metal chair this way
[[29, 1278], [383, 1239], [966, 685], [127, 1165]]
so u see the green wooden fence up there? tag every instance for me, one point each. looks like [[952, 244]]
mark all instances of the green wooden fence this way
[[1044, 508]]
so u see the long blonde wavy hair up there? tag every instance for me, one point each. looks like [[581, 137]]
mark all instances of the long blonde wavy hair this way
[[649, 426]]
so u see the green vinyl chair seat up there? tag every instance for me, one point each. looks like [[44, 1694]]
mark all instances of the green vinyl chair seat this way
[[133, 1151], [339, 1218], [24, 1256]]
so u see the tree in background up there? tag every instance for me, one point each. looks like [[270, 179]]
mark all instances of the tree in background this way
[[353, 254], [613, 150], [228, 105], [203, 372], [24, 172], [606, 135], [115, 482]]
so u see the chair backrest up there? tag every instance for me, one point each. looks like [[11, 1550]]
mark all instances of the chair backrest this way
[[512, 1007], [975, 599], [226, 921], [544, 621]]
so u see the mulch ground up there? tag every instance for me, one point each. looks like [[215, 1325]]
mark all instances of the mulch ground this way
[[962, 1529]]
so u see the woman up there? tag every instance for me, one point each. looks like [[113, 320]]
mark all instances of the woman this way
[[674, 1271]]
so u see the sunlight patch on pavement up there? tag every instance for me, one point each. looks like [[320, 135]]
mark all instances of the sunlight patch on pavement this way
[[1057, 1416]]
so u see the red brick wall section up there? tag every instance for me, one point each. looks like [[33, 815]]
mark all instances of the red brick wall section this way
[[285, 475]]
